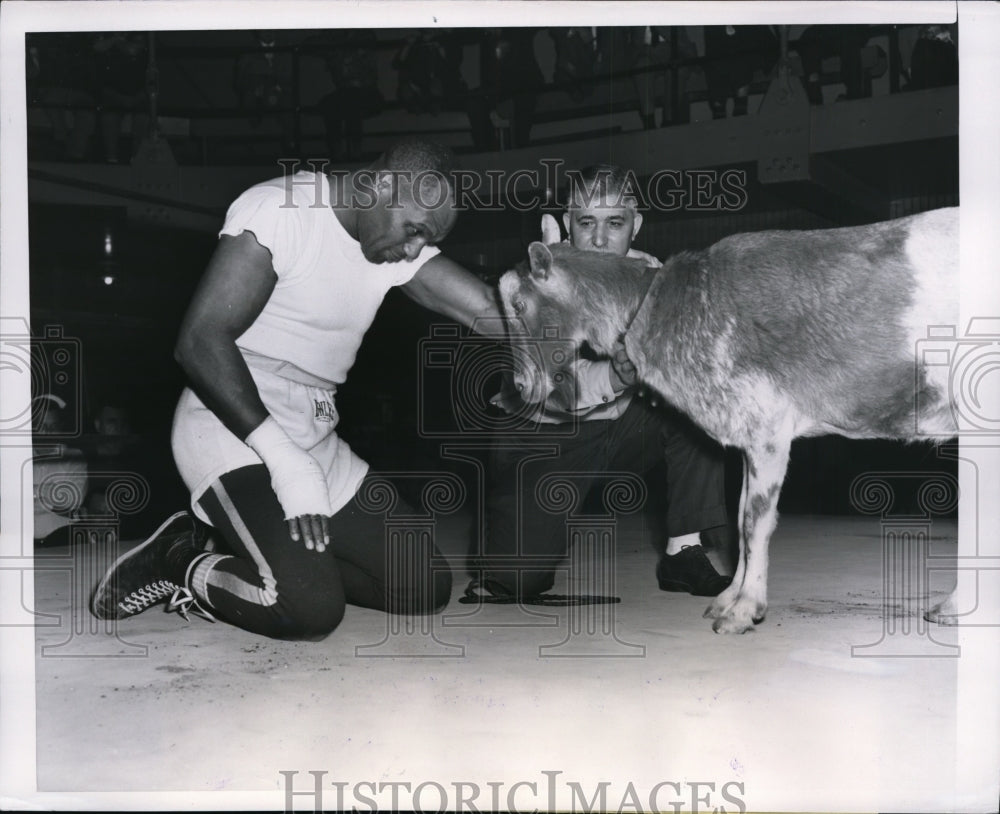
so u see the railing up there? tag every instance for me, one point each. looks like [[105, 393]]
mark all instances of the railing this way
[[298, 114]]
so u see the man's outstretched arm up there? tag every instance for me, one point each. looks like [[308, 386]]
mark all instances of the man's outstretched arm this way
[[446, 288]]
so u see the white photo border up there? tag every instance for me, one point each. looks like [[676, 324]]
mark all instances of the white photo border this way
[[979, 666]]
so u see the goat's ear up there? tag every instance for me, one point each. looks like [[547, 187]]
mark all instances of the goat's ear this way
[[550, 229], [541, 260]]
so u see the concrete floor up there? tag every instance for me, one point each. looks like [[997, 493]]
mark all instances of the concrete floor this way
[[784, 718]]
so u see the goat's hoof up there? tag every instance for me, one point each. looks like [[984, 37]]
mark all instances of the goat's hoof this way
[[731, 623], [740, 616], [940, 615], [719, 606], [944, 613]]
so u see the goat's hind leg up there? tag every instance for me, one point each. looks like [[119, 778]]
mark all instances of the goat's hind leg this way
[[946, 612], [764, 471], [727, 597]]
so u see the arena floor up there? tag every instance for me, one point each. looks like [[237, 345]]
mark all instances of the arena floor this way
[[787, 717]]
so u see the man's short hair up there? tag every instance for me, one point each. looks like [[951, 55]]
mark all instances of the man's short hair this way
[[416, 157], [601, 185]]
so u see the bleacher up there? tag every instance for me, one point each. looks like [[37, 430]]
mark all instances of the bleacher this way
[[201, 131]]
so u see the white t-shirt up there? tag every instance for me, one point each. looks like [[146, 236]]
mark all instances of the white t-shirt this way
[[304, 341], [327, 293]]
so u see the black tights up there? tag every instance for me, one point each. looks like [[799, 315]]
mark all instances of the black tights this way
[[267, 583]]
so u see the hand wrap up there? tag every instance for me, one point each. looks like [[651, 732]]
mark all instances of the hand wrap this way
[[296, 477]]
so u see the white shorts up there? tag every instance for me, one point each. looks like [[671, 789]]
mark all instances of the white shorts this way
[[303, 406]]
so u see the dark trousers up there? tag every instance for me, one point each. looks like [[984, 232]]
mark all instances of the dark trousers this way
[[526, 521], [276, 587]]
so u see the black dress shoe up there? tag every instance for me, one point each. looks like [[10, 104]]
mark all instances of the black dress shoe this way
[[480, 590], [487, 590], [690, 571]]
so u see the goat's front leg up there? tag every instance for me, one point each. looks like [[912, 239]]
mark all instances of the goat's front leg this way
[[744, 603]]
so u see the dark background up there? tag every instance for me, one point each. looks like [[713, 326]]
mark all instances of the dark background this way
[[126, 330]]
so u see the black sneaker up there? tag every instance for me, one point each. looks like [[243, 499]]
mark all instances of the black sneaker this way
[[155, 571], [690, 571]]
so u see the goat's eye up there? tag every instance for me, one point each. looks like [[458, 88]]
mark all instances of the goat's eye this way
[[518, 306]]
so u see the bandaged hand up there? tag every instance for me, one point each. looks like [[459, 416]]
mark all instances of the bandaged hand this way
[[298, 481]]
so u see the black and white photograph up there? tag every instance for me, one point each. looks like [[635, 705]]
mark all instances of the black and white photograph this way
[[499, 406]]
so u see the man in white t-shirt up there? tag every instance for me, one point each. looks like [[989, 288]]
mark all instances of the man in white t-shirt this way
[[301, 267]]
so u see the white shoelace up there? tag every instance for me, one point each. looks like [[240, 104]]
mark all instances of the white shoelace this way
[[146, 596], [184, 602]]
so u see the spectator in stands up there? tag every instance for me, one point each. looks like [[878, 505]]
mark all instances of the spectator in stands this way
[[653, 47], [733, 55], [59, 473], [422, 64], [121, 76], [934, 61], [576, 60], [510, 82], [455, 88], [350, 60], [264, 82], [819, 42], [118, 458], [61, 79], [110, 453], [615, 50]]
